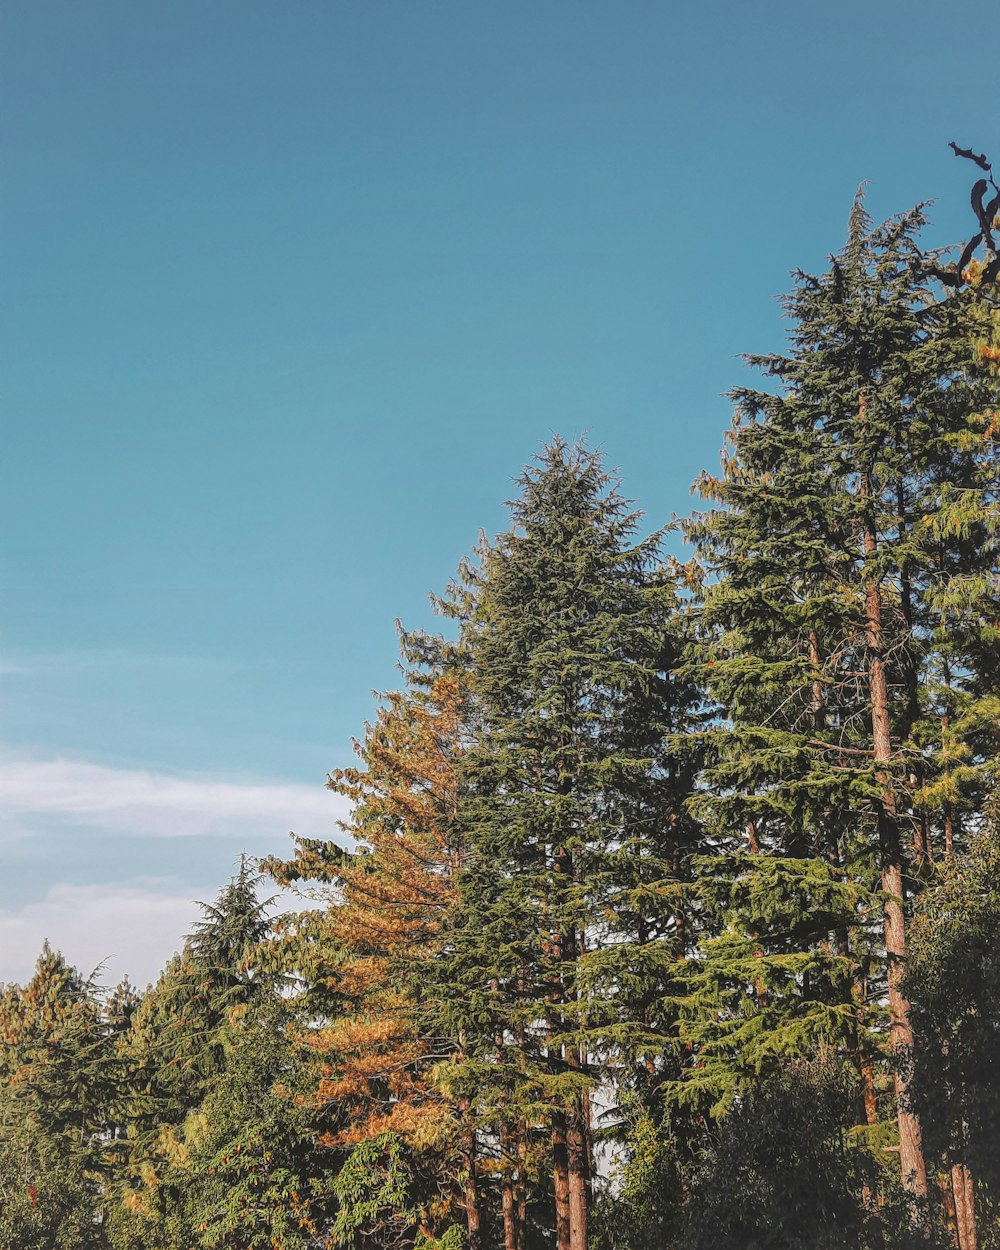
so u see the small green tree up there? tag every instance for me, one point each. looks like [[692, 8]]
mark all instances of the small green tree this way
[[56, 1091], [783, 1173], [953, 980], [174, 1053], [256, 1177]]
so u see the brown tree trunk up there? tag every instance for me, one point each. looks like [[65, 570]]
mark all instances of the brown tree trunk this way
[[680, 917], [471, 1194], [509, 1210], [816, 698], [921, 827], [553, 1007], [578, 1152], [560, 1180], [950, 1211], [508, 1205], [949, 823], [965, 1207], [868, 1080], [577, 1136], [894, 925], [911, 1158], [521, 1186]]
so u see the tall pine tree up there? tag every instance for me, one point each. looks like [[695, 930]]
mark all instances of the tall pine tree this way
[[852, 500], [570, 925]]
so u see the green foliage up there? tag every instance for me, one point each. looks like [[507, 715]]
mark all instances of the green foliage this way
[[50, 1187], [568, 931], [450, 1240], [847, 599], [373, 1196], [185, 1040], [639, 1208], [256, 1177], [761, 990], [57, 1081], [953, 980], [782, 1173]]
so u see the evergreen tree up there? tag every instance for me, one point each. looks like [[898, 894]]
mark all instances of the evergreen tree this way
[[56, 1092], [851, 501], [174, 1053], [569, 927], [255, 1176], [783, 1174]]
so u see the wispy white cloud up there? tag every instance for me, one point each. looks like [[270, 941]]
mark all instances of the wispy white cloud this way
[[122, 928], [35, 793], [134, 927]]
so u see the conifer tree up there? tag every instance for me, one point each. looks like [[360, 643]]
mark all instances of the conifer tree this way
[[852, 500], [373, 1052], [174, 1053], [569, 925], [56, 1091], [255, 1176]]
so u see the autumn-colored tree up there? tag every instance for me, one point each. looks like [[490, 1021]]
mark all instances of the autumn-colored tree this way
[[384, 895]]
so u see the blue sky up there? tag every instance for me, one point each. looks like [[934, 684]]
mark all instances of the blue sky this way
[[291, 291]]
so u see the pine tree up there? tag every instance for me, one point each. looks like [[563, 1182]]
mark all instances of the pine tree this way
[[373, 1052], [173, 1054], [254, 1175], [56, 1092], [569, 928], [843, 496]]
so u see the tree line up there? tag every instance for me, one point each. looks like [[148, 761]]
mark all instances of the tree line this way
[[668, 911]]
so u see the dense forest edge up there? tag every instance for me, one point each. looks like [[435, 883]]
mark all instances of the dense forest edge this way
[[668, 913]]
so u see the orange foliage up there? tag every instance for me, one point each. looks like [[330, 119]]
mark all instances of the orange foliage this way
[[385, 903]]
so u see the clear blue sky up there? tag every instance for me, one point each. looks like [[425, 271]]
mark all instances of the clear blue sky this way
[[290, 292]]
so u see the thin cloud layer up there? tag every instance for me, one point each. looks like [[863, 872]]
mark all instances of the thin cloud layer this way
[[35, 793], [123, 928], [131, 928]]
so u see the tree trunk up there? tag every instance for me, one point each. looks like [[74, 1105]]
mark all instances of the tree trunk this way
[[521, 1186], [965, 1207], [910, 674], [816, 698], [472, 1219], [560, 1156], [950, 1211], [560, 1180], [471, 1195], [911, 1158], [577, 1136], [868, 1080], [566, 1160], [578, 1152], [507, 1202], [949, 823]]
